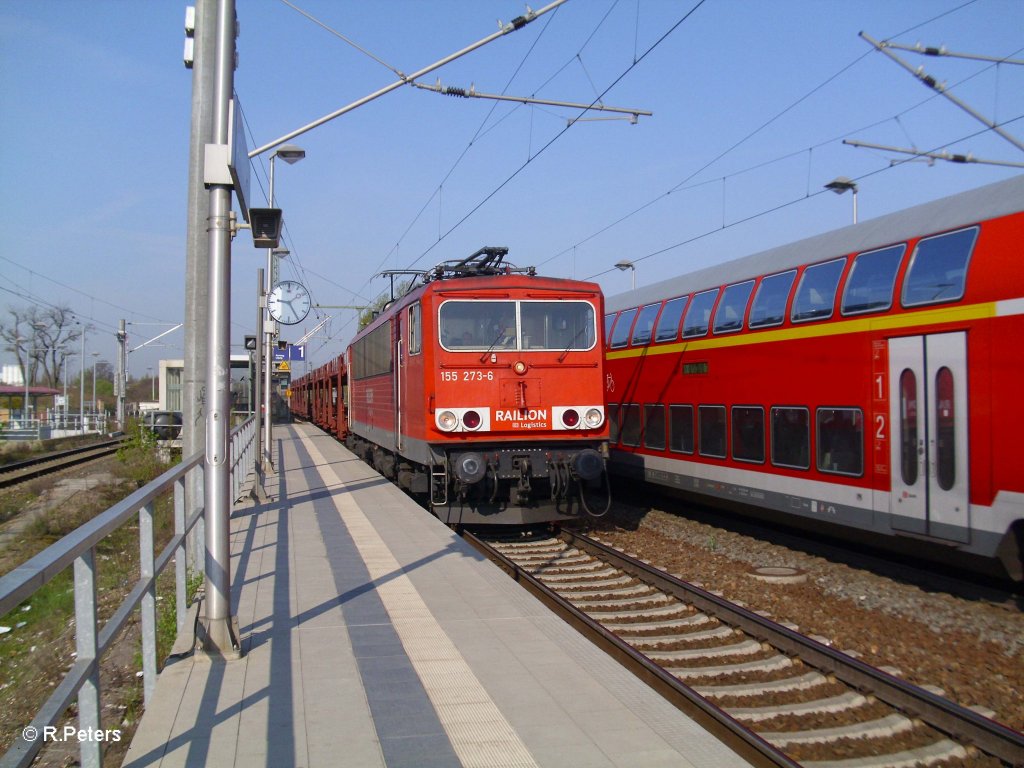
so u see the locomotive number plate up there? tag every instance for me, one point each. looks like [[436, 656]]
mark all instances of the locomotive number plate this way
[[467, 376]]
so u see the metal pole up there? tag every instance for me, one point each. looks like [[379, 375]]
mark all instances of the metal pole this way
[[259, 492], [197, 260], [219, 636], [81, 389], [268, 354], [122, 375]]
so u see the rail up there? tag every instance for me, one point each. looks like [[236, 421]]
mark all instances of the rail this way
[[78, 548]]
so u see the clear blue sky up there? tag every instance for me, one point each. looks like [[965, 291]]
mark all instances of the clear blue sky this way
[[94, 128]]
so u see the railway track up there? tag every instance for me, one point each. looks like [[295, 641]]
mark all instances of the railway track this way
[[29, 469], [776, 696]]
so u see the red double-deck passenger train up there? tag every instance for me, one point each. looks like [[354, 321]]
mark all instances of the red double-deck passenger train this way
[[482, 388], [866, 381]]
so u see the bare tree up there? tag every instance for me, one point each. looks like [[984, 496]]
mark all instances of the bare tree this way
[[41, 338]]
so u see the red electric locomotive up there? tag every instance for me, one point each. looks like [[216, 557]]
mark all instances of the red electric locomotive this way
[[865, 381], [483, 389]]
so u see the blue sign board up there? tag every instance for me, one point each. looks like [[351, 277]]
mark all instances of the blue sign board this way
[[292, 353]]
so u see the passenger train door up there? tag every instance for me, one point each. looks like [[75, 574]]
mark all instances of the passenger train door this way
[[928, 453]]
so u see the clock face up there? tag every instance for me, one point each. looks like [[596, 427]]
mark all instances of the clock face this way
[[289, 302]]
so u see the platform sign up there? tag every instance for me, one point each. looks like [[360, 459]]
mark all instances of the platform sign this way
[[292, 353]]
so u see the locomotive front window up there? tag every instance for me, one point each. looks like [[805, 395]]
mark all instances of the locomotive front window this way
[[938, 268], [474, 326], [816, 294], [872, 276], [557, 325]]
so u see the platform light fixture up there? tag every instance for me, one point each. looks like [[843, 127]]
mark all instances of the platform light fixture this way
[[626, 264], [841, 184]]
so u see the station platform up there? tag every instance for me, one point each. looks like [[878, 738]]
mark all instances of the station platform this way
[[374, 636]]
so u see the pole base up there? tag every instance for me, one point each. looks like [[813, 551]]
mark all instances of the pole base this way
[[218, 639]]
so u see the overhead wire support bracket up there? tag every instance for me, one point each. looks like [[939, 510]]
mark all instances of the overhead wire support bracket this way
[[947, 156], [940, 88], [929, 50], [505, 29], [472, 93]]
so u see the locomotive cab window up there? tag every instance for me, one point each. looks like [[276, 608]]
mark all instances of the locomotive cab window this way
[[475, 326], [415, 329], [938, 268], [668, 323], [816, 294], [620, 336], [840, 439], [769, 307], [732, 307], [645, 324], [872, 277], [698, 316]]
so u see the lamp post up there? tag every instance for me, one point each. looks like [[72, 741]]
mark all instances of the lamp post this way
[[291, 154], [24, 405], [841, 184], [626, 264], [95, 355]]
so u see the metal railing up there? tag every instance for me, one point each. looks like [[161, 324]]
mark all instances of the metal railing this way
[[78, 548]]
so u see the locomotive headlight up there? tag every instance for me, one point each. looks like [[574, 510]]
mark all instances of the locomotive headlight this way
[[447, 421], [470, 467], [594, 418], [519, 367], [471, 420], [570, 417]]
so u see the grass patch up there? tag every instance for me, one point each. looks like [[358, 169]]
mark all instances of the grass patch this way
[[40, 646]]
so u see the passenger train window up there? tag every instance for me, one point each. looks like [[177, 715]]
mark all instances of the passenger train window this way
[[748, 433], [698, 316], [769, 307], [609, 321], [938, 268], [791, 437], [840, 439], [872, 277], [620, 336], [613, 423], [654, 427], [908, 427], [945, 429], [668, 323], [629, 424], [645, 324], [732, 307], [816, 294], [681, 428], [711, 430]]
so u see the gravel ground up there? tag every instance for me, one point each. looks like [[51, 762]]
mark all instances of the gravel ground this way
[[972, 650]]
